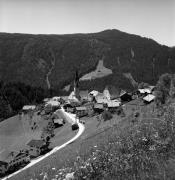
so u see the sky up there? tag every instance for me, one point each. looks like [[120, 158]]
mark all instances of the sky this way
[[149, 18]]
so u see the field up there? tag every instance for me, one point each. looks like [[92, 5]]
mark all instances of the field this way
[[99, 72], [16, 131]]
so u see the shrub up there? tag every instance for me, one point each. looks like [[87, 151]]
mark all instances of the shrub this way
[[106, 115]]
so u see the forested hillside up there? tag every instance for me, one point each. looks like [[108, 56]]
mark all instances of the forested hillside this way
[[49, 61]]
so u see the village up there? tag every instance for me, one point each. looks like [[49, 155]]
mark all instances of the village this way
[[82, 103]]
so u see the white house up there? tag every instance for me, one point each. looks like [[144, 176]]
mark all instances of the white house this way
[[94, 93], [101, 99], [56, 98], [113, 104], [53, 103], [149, 98], [28, 107]]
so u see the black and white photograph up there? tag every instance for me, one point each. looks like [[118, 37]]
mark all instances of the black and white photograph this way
[[87, 89]]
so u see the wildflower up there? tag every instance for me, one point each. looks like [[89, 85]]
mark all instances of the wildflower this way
[[156, 135], [95, 146], [53, 168], [152, 148], [144, 139], [69, 176]]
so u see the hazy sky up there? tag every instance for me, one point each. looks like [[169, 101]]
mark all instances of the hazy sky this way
[[150, 18]]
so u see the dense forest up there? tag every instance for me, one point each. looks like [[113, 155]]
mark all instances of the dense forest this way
[[13, 96], [39, 60]]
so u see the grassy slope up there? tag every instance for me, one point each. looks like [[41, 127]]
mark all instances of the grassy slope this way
[[15, 132], [94, 132]]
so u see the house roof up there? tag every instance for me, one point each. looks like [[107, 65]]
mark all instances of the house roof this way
[[46, 99], [58, 121], [98, 106], [122, 92], [53, 103], [149, 97], [101, 100], [151, 87], [94, 93], [84, 93], [113, 103], [146, 90], [29, 107], [36, 143], [56, 98]]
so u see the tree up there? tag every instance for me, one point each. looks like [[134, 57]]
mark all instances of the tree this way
[[4, 110], [163, 88], [143, 85], [172, 87]]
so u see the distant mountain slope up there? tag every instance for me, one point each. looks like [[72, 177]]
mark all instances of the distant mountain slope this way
[[50, 61]]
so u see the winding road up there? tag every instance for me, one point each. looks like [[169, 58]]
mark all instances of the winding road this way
[[35, 161]]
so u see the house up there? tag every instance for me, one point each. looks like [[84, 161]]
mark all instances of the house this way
[[53, 103], [113, 105], [81, 111], [12, 160], [28, 108], [144, 91], [37, 147], [46, 100], [98, 108], [58, 122], [69, 108], [48, 108], [94, 93], [84, 96], [55, 98], [63, 99], [101, 99], [149, 98], [51, 106], [124, 96], [90, 108]]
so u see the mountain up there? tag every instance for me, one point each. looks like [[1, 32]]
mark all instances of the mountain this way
[[50, 61]]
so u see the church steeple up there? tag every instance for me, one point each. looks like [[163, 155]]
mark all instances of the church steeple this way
[[76, 85]]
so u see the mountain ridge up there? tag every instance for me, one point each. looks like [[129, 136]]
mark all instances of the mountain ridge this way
[[27, 58]]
